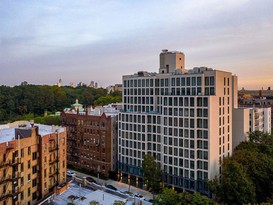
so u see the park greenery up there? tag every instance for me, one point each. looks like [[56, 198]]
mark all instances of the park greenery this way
[[169, 196], [27, 101], [247, 176]]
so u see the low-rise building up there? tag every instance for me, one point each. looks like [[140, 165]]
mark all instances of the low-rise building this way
[[32, 161], [92, 139], [250, 119]]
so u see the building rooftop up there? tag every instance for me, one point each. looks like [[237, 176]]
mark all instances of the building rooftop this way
[[109, 110], [84, 196], [7, 131]]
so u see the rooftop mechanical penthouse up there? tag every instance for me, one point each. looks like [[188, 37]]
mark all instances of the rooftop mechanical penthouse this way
[[183, 117]]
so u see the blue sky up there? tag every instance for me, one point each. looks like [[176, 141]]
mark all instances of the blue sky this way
[[85, 40]]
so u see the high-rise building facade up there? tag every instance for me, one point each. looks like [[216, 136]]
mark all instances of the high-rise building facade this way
[[32, 162], [92, 139], [181, 117]]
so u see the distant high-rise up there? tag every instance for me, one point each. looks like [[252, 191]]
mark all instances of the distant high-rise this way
[[181, 117]]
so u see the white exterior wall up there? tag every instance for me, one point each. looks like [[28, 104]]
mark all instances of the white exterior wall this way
[[220, 121], [241, 125], [191, 123], [249, 119], [267, 120]]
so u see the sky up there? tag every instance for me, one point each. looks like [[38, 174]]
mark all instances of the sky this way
[[94, 40]]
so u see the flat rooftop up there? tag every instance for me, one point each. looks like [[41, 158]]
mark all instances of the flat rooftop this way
[[84, 196], [7, 131]]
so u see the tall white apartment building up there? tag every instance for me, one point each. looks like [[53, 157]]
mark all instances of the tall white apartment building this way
[[250, 119], [181, 117]]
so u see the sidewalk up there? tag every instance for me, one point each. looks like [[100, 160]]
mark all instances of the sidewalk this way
[[119, 185]]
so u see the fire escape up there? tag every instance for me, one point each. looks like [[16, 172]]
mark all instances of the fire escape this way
[[54, 163], [6, 178]]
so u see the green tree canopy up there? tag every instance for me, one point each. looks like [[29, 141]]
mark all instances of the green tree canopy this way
[[151, 172], [247, 176], [167, 197], [236, 187], [25, 99], [194, 199]]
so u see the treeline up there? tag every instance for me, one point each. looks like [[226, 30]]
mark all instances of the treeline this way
[[18, 101], [247, 176]]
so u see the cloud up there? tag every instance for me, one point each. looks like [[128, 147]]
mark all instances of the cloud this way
[[80, 40]]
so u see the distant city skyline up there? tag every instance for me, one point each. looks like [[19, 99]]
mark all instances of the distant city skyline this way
[[97, 40]]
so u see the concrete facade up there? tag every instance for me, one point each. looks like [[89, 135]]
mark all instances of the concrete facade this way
[[250, 119], [181, 117]]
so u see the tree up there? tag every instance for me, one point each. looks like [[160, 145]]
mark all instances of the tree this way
[[35, 99], [106, 100], [247, 177], [194, 199], [151, 172], [167, 197], [72, 198], [236, 187], [256, 156], [93, 202], [117, 202]]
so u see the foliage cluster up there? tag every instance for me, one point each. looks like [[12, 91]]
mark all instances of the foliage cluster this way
[[247, 176], [152, 175], [151, 172], [171, 197], [25, 99]]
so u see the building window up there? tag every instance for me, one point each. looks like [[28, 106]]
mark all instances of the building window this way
[[34, 169], [22, 167], [34, 155], [34, 195], [34, 182]]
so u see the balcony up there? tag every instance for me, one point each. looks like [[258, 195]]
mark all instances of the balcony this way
[[53, 173], [54, 161], [5, 194], [52, 149], [9, 147], [5, 179], [16, 161], [16, 176], [5, 163]]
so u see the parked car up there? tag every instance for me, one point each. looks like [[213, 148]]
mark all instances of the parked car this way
[[111, 187], [89, 179], [70, 174], [139, 196]]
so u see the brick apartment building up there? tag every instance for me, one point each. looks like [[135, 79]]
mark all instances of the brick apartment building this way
[[92, 139], [32, 162]]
